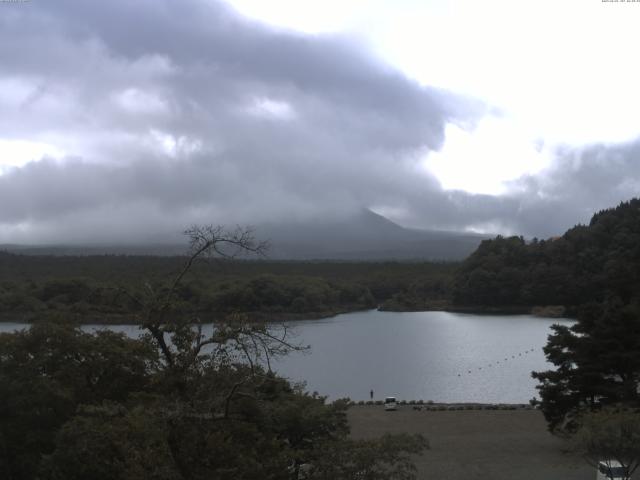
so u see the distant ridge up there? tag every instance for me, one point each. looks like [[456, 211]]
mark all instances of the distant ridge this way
[[364, 236], [86, 250]]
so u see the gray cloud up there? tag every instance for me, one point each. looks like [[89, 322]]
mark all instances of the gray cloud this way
[[177, 113], [578, 183]]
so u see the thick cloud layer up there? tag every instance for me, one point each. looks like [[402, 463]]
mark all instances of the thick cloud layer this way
[[178, 113]]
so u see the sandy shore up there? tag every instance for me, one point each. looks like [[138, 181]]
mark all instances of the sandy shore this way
[[477, 444]]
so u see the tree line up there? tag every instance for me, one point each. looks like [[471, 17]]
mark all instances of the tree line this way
[[89, 288]]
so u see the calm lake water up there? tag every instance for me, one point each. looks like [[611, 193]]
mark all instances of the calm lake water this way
[[439, 356]]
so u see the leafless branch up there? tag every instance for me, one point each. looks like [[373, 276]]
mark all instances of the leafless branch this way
[[234, 336], [227, 400]]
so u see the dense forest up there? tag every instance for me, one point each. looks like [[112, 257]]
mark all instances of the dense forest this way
[[588, 263], [90, 288]]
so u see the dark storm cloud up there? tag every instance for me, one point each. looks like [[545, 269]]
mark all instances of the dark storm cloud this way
[[172, 113]]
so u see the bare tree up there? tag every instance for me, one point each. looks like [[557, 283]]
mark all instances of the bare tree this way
[[181, 341]]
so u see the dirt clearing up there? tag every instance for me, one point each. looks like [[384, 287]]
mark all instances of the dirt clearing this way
[[477, 444]]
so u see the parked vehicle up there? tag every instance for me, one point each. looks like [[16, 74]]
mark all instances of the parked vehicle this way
[[611, 470], [390, 403]]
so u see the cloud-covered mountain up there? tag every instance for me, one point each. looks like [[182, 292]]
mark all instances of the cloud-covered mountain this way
[[363, 236], [165, 116]]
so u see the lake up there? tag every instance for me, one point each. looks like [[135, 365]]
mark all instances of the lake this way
[[439, 356]]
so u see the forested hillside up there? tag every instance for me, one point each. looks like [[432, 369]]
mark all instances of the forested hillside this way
[[588, 263], [90, 288]]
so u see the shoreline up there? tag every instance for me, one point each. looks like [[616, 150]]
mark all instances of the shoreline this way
[[552, 311], [547, 311], [429, 406], [129, 319]]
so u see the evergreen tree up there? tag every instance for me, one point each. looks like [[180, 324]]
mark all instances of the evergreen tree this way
[[597, 363]]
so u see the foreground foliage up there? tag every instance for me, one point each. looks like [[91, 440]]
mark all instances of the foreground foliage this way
[[102, 406]]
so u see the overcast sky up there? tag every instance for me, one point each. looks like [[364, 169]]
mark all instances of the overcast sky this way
[[124, 121]]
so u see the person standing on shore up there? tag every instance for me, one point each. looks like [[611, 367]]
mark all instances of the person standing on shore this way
[[371, 394]]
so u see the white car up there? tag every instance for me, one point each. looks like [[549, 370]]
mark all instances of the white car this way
[[611, 470], [390, 403]]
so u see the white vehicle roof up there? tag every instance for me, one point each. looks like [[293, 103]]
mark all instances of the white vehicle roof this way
[[611, 470]]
